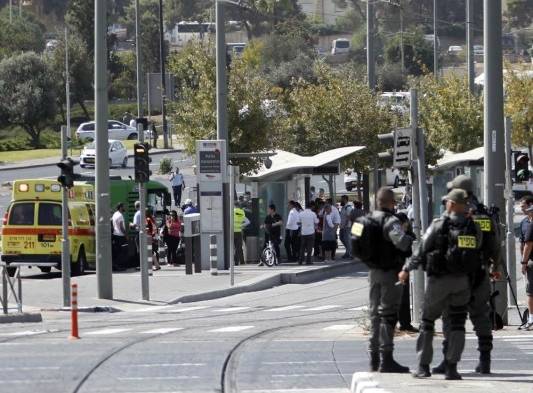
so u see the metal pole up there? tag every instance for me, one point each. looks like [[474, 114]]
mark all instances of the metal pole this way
[[67, 88], [162, 68], [509, 239], [231, 247], [470, 44], [402, 51], [10, 11], [494, 171], [104, 274], [423, 189], [222, 124], [20, 8], [143, 246], [65, 244], [138, 58], [435, 46], [418, 276], [370, 61]]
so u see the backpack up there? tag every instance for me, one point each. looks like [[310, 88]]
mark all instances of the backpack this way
[[463, 252], [368, 243]]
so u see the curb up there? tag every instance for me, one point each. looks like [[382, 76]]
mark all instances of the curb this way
[[14, 168], [274, 280], [21, 318]]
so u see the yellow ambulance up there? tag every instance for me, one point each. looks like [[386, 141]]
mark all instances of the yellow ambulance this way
[[31, 227]]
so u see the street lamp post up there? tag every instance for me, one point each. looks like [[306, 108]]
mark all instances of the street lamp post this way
[[138, 58], [162, 69]]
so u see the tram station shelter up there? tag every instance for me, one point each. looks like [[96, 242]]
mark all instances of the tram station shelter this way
[[288, 178]]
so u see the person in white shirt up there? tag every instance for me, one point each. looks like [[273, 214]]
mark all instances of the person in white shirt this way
[[308, 221], [178, 184], [119, 238], [136, 224], [291, 233]]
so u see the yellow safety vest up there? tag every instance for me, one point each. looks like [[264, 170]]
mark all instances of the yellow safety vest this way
[[238, 219]]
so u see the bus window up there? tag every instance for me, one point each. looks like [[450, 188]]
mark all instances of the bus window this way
[[22, 214], [49, 214]]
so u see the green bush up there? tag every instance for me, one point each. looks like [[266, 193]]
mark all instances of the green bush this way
[[165, 165]]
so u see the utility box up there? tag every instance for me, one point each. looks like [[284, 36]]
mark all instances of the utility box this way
[[191, 225], [191, 236]]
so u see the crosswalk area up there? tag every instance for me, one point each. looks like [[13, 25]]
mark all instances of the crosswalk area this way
[[179, 309], [143, 330]]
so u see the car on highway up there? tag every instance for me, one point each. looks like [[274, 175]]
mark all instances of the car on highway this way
[[116, 130], [479, 50], [455, 49], [118, 154], [396, 101]]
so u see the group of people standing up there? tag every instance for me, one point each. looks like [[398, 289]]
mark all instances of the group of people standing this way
[[460, 254], [313, 231]]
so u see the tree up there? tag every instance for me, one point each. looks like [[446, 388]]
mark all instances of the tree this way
[[28, 93], [519, 105], [80, 18], [250, 122], [519, 13], [80, 71], [23, 34], [451, 116], [418, 53]]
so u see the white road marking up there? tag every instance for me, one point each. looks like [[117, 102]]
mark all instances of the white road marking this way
[[158, 378], [24, 333], [339, 327], [360, 308], [311, 362], [153, 365], [297, 390], [184, 309], [511, 340], [27, 381], [105, 332], [230, 329], [153, 308], [323, 308], [285, 308], [230, 309], [303, 375], [161, 331], [28, 368]]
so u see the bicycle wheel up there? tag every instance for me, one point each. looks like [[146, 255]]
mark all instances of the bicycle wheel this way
[[268, 256]]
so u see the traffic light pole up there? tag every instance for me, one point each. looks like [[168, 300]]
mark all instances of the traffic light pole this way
[[65, 243], [419, 204], [104, 272], [143, 246]]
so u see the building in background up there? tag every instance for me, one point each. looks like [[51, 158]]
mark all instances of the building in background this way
[[325, 11]]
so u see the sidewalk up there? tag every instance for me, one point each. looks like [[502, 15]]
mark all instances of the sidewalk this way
[[170, 285], [37, 163]]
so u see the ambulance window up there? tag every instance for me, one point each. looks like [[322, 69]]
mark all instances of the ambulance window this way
[[91, 214], [49, 214], [22, 214]]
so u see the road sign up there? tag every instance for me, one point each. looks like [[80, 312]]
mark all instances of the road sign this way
[[402, 147], [211, 161]]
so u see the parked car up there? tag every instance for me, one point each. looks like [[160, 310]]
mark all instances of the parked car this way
[[396, 101], [118, 154], [455, 49], [479, 50], [116, 129], [340, 45]]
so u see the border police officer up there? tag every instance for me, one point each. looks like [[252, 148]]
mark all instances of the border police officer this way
[[449, 251], [384, 294], [478, 307]]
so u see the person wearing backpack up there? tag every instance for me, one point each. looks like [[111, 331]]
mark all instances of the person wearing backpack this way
[[379, 240], [450, 251], [478, 308]]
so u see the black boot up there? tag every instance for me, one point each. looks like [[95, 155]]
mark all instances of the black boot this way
[[483, 367], [374, 361], [451, 373], [422, 371], [389, 365], [440, 369]]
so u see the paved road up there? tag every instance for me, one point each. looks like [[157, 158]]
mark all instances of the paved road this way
[[295, 338]]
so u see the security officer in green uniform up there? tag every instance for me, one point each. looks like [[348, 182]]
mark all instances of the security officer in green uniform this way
[[449, 252], [478, 307], [239, 222]]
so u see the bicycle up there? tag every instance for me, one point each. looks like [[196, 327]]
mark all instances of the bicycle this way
[[269, 256]]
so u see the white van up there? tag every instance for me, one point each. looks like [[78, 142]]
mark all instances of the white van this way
[[340, 45]]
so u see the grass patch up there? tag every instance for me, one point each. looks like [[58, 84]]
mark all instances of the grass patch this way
[[24, 155]]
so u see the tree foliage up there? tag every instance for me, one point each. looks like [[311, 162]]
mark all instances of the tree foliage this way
[[519, 13], [194, 114], [418, 53], [519, 105], [80, 18], [23, 34], [451, 116], [28, 93]]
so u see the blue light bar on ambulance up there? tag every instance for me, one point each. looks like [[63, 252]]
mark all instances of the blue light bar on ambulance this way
[[55, 187], [39, 188]]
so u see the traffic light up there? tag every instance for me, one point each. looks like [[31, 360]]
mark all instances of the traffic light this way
[[521, 166], [399, 141], [142, 162], [67, 176]]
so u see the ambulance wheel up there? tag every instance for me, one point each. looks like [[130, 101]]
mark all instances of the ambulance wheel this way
[[78, 268], [45, 269]]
